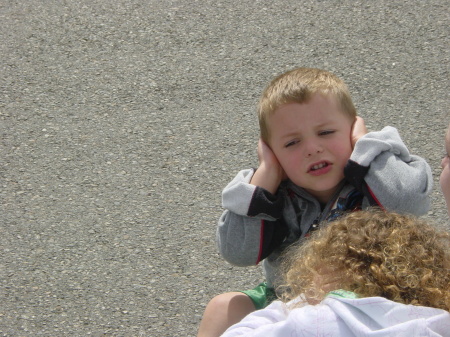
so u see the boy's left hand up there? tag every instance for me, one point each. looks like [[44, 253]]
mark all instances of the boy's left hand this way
[[358, 130]]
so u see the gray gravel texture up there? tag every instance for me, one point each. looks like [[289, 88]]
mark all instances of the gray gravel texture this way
[[122, 121]]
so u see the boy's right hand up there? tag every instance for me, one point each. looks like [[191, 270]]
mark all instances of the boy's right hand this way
[[359, 129], [269, 174]]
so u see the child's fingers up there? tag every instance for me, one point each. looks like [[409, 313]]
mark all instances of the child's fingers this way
[[264, 152], [268, 158], [359, 129]]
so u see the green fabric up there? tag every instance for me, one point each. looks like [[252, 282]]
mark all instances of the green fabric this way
[[343, 293], [261, 295]]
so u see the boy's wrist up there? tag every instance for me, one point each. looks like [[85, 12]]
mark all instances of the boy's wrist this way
[[268, 179]]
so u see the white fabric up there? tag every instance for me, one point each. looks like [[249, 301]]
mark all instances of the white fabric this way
[[344, 317]]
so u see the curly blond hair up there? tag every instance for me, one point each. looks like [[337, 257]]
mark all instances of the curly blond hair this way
[[372, 253]]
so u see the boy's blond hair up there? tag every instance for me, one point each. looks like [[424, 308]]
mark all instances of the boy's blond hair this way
[[373, 253], [298, 86]]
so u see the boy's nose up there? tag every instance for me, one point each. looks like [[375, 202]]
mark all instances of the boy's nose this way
[[312, 152], [313, 148]]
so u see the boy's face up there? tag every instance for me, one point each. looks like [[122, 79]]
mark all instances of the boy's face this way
[[445, 174], [312, 142]]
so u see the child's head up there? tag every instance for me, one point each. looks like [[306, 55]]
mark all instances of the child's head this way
[[373, 253], [306, 117], [298, 86], [445, 174]]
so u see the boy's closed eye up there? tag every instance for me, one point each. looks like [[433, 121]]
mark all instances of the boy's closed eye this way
[[320, 133], [326, 132], [292, 142]]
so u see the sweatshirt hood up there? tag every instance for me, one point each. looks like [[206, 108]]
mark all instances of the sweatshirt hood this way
[[377, 316]]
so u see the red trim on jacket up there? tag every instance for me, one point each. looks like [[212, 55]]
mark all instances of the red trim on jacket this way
[[375, 198], [261, 240]]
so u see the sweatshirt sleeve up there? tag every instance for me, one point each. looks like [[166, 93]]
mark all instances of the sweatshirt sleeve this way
[[382, 167], [251, 225]]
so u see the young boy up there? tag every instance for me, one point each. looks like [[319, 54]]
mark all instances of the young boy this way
[[316, 162]]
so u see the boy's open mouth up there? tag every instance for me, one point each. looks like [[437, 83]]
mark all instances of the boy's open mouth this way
[[318, 166]]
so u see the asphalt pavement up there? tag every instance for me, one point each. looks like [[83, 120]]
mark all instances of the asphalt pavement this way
[[121, 122]]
